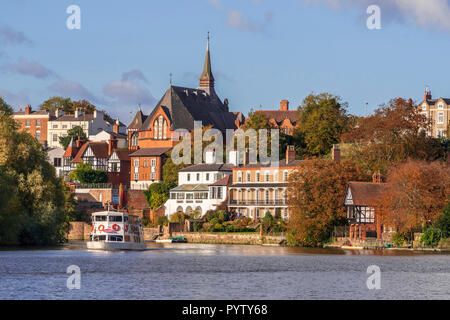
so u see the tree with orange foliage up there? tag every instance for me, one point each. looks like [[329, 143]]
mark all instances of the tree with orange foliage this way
[[416, 194], [395, 133], [316, 199]]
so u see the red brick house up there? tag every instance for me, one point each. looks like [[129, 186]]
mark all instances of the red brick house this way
[[35, 122], [146, 167], [283, 119]]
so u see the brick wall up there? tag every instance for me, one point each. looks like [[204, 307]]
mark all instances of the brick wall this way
[[79, 231]]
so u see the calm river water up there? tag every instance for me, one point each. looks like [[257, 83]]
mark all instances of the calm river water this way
[[196, 271]]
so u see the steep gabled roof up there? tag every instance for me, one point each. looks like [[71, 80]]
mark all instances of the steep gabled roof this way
[[138, 120], [122, 154], [208, 167], [100, 150], [366, 193], [184, 105]]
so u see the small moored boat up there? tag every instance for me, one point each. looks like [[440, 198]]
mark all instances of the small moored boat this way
[[112, 230]]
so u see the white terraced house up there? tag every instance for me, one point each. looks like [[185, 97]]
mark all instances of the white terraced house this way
[[92, 124], [201, 187]]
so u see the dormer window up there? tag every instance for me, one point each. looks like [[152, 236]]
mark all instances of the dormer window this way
[[160, 128]]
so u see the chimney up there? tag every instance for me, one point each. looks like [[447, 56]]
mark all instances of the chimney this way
[[77, 113], [210, 156], [246, 157], [116, 126], [112, 144], [290, 154], [95, 113], [57, 113], [284, 105], [336, 153], [234, 157], [377, 177], [79, 142], [427, 95], [28, 109]]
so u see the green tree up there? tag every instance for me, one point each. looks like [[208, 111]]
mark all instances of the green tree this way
[[322, 120], [54, 103], [85, 174], [443, 222], [73, 133], [157, 194], [34, 206], [5, 109]]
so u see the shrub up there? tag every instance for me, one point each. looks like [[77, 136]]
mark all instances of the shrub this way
[[177, 217], [162, 221], [443, 222], [431, 237], [398, 239]]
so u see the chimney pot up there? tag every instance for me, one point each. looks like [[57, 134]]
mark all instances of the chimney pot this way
[[284, 105], [336, 153], [28, 109], [290, 154]]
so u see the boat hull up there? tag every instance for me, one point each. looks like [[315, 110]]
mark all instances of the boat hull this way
[[103, 245]]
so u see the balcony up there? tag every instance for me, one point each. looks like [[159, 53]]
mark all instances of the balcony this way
[[276, 202]]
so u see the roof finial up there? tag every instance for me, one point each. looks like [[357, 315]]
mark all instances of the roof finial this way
[[170, 75]]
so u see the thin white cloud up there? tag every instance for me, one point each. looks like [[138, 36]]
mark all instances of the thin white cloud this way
[[32, 68], [424, 13]]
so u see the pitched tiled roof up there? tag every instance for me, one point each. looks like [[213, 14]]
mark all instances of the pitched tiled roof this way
[[184, 105], [225, 181], [148, 152], [366, 193], [208, 167], [100, 150], [123, 154], [279, 116], [260, 185]]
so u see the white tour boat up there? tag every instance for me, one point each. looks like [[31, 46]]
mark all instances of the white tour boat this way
[[112, 230]]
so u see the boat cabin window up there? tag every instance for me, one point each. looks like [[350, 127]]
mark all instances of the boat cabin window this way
[[125, 218], [100, 238], [115, 218], [115, 238], [100, 218]]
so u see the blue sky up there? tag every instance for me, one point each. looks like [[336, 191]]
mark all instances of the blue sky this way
[[262, 51]]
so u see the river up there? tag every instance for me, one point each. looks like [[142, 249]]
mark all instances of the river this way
[[196, 271]]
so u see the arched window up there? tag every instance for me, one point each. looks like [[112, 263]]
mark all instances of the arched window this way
[[135, 139], [160, 128]]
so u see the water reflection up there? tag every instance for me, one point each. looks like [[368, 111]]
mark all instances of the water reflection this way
[[204, 271]]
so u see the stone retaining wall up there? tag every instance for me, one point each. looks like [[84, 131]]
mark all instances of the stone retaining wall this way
[[228, 238]]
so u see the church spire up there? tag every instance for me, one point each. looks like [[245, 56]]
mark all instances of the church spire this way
[[207, 79]]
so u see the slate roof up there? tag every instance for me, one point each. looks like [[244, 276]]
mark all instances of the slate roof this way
[[279, 115], [138, 120], [184, 105], [149, 152], [366, 193], [432, 102], [208, 167]]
